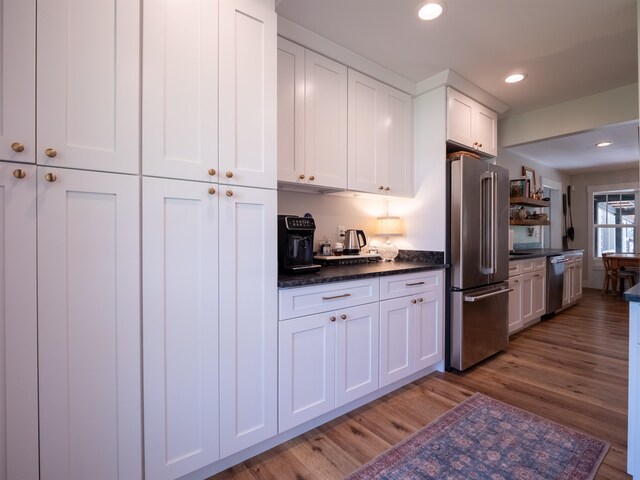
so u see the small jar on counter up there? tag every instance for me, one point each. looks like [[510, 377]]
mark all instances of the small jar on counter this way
[[338, 248]]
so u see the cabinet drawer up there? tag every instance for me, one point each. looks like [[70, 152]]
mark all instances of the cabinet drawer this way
[[297, 302], [540, 263], [410, 283], [515, 268]]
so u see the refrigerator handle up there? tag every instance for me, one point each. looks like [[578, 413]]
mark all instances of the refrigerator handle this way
[[475, 298], [488, 222]]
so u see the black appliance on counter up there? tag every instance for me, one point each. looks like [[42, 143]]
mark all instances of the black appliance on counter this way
[[295, 244]]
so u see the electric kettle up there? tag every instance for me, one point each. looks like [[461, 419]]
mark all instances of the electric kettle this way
[[352, 243]]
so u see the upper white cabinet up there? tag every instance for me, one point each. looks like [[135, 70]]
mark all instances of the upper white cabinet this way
[[180, 324], [471, 124], [248, 317], [88, 84], [380, 133], [89, 325], [248, 93], [180, 89], [18, 323], [17, 81], [312, 118]]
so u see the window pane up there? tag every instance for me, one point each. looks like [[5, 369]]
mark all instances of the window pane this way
[[628, 208], [614, 239], [599, 209]]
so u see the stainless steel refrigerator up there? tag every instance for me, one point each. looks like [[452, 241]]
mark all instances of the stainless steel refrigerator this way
[[478, 213]]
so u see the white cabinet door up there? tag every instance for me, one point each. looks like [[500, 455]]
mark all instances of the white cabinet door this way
[[248, 317], [566, 284], [180, 324], [460, 109], [526, 307], [180, 89], [291, 93], [539, 298], [248, 91], [396, 339], [325, 124], [18, 323], [576, 281], [89, 325], [88, 84], [515, 304], [357, 331], [307, 356], [486, 128], [398, 127], [429, 329], [17, 81]]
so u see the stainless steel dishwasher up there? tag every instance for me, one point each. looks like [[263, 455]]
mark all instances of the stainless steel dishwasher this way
[[555, 282]]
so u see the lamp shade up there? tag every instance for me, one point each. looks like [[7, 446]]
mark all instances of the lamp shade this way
[[388, 226]]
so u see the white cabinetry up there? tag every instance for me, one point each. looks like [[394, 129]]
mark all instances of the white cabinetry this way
[[411, 324], [528, 300], [633, 429], [88, 85], [17, 83], [180, 324], [248, 317], [471, 124], [380, 133], [312, 118], [572, 286], [89, 325], [330, 358], [18, 323]]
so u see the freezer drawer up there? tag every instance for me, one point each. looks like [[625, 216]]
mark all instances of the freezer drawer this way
[[479, 324]]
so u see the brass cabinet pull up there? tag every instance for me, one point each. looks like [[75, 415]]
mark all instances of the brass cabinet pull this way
[[332, 318], [343, 316], [301, 177], [229, 193], [421, 300], [19, 173], [380, 187], [212, 171], [479, 145], [51, 152], [337, 296], [50, 177], [212, 191], [413, 284], [17, 147], [475, 144], [414, 301], [229, 174], [312, 178], [387, 189]]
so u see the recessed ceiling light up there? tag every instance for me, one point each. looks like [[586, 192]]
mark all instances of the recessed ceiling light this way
[[603, 144], [429, 11], [515, 78]]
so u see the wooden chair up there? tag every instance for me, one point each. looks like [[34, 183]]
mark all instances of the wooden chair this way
[[623, 277]]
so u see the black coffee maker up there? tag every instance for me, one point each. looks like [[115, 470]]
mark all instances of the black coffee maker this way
[[295, 244]]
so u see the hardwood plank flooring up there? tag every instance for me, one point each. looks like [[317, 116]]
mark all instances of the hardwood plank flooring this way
[[571, 368]]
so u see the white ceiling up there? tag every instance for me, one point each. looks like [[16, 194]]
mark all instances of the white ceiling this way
[[568, 48]]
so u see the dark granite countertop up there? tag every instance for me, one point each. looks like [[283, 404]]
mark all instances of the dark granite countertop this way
[[542, 252], [633, 294], [339, 273]]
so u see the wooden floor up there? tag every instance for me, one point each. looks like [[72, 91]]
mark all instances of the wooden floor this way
[[571, 368]]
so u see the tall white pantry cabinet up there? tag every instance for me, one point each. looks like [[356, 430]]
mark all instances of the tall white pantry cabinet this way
[[70, 350]]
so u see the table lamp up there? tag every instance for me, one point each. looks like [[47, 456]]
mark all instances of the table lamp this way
[[388, 227]]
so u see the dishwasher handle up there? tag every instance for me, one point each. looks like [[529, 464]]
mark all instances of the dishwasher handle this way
[[475, 298]]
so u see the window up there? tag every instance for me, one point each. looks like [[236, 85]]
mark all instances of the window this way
[[614, 221]]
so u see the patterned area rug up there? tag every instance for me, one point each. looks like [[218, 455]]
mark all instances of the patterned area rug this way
[[483, 438]]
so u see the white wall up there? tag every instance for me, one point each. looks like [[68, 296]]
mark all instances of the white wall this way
[[592, 270]]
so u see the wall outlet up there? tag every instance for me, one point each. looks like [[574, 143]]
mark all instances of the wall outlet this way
[[341, 231]]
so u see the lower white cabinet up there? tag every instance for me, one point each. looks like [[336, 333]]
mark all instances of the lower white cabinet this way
[[18, 323], [180, 324], [572, 287], [89, 324], [633, 422], [515, 304], [528, 300], [326, 360]]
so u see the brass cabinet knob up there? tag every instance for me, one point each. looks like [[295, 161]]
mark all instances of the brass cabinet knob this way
[[421, 300], [380, 187], [479, 145], [332, 318], [19, 173], [229, 193], [343, 316], [50, 177], [475, 144], [229, 174], [312, 178], [17, 147], [212, 171], [414, 301], [301, 176], [387, 189], [212, 191], [50, 152]]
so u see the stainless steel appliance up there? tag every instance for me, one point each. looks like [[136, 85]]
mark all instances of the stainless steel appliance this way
[[555, 282], [352, 241], [478, 212], [295, 244]]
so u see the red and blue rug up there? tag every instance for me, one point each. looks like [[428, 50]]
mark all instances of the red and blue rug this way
[[483, 438]]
